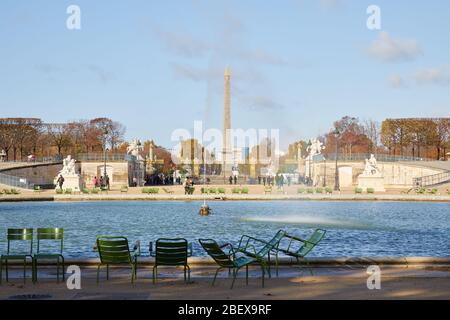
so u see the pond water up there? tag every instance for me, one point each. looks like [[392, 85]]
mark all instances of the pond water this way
[[354, 228]]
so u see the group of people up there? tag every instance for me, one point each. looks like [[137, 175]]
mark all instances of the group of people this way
[[188, 185], [162, 179], [103, 181], [278, 180], [232, 179]]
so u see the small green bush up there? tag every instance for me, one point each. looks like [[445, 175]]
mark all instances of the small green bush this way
[[301, 190], [310, 190], [85, 190], [319, 190], [95, 190], [204, 190], [221, 190], [328, 190], [370, 190], [244, 190], [358, 190], [236, 190], [213, 190], [67, 191], [421, 190], [145, 190], [58, 191], [153, 190], [15, 191], [433, 191]]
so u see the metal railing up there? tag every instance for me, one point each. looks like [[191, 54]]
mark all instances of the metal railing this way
[[101, 157], [379, 157], [34, 160], [14, 181], [432, 180]]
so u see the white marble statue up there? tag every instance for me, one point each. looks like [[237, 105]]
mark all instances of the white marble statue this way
[[72, 180], [371, 168], [134, 148], [68, 167], [315, 148], [372, 176]]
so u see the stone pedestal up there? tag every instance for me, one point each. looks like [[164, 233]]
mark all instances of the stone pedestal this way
[[374, 182], [71, 182], [345, 177]]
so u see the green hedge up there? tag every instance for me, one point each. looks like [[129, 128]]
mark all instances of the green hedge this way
[[236, 190], [358, 190], [301, 190]]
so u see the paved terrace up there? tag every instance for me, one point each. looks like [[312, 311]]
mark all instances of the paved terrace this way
[[421, 280], [256, 192]]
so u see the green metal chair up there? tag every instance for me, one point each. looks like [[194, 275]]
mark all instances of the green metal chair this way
[[16, 235], [260, 249], [226, 260], [171, 252], [115, 251], [299, 248], [47, 235]]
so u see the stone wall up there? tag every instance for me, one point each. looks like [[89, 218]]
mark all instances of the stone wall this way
[[118, 172], [396, 174], [36, 174]]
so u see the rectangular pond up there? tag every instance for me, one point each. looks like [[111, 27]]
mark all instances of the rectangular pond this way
[[354, 228]]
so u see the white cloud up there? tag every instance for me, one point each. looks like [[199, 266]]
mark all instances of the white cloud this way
[[396, 81], [388, 49], [330, 3], [439, 75]]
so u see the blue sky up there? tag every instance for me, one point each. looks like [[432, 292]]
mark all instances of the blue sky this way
[[296, 65]]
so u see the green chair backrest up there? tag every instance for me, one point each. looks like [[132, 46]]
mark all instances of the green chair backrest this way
[[113, 250], [312, 241], [272, 243], [20, 235], [171, 252], [50, 234], [214, 251]]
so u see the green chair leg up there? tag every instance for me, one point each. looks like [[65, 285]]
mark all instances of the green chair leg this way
[[215, 276], [98, 273], [263, 271], [246, 274], [24, 270], [6, 269], [235, 271], [155, 270], [276, 263]]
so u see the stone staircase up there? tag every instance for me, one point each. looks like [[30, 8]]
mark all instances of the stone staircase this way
[[432, 180]]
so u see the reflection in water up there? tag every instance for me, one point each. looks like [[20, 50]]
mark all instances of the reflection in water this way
[[354, 228], [310, 220]]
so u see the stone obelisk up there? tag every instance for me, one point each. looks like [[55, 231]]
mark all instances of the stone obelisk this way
[[227, 161]]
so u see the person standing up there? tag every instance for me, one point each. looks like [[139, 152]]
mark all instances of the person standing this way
[[60, 181], [95, 182], [107, 182], [230, 179], [235, 179]]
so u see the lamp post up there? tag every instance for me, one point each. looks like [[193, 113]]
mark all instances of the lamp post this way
[[309, 163], [105, 133], [336, 172]]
